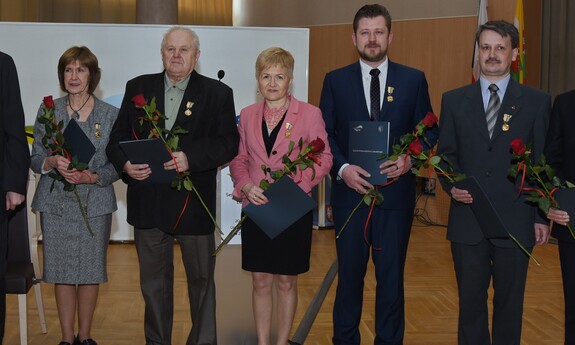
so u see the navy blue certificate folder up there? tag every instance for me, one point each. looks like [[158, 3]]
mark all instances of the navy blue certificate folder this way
[[286, 204], [79, 144], [368, 140], [152, 152], [484, 211]]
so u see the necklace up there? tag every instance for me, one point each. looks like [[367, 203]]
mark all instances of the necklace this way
[[76, 113]]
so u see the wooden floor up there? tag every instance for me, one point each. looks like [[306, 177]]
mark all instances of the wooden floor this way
[[431, 298]]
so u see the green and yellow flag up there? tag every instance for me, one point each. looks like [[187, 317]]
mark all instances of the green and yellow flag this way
[[518, 66]]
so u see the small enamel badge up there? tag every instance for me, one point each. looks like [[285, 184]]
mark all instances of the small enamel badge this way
[[97, 132], [289, 126]]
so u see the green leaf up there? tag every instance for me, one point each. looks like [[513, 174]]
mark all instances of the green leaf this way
[[544, 205], [435, 160], [290, 147], [188, 185], [264, 184]]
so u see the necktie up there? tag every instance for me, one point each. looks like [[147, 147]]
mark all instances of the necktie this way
[[374, 94], [492, 109]]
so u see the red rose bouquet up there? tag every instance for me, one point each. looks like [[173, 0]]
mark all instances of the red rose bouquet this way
[[542, 179], [305, 159], [53, 141], [171, 140]]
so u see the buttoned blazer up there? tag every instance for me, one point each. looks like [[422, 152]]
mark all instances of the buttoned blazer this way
[[465, 141], [14, 152], [302, 121], [405, 103], [212, 141], [100, 197], [560, 146]]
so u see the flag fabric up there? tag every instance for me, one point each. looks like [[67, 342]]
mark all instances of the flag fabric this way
[[481, 19], [518, 66]]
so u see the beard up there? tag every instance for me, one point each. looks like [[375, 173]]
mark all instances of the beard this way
[[377, 55]]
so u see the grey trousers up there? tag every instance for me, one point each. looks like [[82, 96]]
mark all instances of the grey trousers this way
[[155, 250]]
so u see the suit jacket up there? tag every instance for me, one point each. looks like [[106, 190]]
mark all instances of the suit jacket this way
[[306, 123], [100, 197], [343, 100], [14, 153], [212, 141], [465, 141], [559, 147]]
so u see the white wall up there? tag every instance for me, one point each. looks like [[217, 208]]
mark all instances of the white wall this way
[[126, 51]]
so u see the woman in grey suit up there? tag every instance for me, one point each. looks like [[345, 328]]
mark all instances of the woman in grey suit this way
[[74, 260]]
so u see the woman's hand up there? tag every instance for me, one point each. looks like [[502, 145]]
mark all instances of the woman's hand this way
[[254, 194]]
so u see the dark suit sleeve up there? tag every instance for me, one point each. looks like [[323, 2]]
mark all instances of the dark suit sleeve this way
[[447, 145], [554, 141], [326, 105], [15, 153], [208, 152]]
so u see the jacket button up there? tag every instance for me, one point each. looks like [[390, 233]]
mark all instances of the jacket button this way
[[488, 173], [274, 152], [268, 170], [490, 149]]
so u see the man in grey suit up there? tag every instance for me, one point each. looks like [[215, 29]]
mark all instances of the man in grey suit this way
[[478, 123], [14, 161]]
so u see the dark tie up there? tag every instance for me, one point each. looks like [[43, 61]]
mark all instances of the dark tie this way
[[374, 94], [492, 109]]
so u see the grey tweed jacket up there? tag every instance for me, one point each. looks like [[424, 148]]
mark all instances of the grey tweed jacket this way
[[99, 198]]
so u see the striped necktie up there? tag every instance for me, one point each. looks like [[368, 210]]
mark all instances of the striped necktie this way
[[492, 109]]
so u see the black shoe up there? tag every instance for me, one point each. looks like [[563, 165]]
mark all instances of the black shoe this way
[[76, 341], [88, 341]]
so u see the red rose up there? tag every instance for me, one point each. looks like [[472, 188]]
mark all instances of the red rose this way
[[139, 100], [48, 102], [518, 146], [415, 148], [317, 146], [430, 119]]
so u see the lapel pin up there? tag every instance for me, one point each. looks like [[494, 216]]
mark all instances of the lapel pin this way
[[97, 132], [505, 126], [390, 90]]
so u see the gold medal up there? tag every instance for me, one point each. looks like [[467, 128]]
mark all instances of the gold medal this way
[[189, 106], [97, 133], [288, 129], [390, 98], [505, 127]]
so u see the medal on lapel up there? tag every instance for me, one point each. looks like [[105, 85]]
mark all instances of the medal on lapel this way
[[390, 92], [97, 132], [288, 129], [505, 126], [189, 106]]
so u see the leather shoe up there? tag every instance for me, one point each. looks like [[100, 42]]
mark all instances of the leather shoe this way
[[76, 341], [88, 341]]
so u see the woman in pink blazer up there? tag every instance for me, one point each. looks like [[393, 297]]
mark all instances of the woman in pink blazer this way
[[266, 129]]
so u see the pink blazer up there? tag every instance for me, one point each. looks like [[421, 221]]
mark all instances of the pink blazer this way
[[305, 121]]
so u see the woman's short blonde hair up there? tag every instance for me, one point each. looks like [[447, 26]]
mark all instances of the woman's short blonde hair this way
[[275, 56]]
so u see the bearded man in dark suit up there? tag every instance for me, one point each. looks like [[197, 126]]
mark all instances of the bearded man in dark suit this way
[[14, 160], [402, 100], [560, 155], [205, 108], [478, 123]]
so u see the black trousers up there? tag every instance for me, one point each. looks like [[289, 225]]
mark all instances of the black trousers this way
[[3, 253], [567, 257]]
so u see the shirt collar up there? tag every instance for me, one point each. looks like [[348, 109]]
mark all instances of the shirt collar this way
[[365, 68], [181, 85]]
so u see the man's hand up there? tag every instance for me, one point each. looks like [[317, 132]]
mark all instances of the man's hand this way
[[396, 168], [180, 163], [13, 199], [558, 216], [137, 171], [461, 195], [353, 176], [541, 234]]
